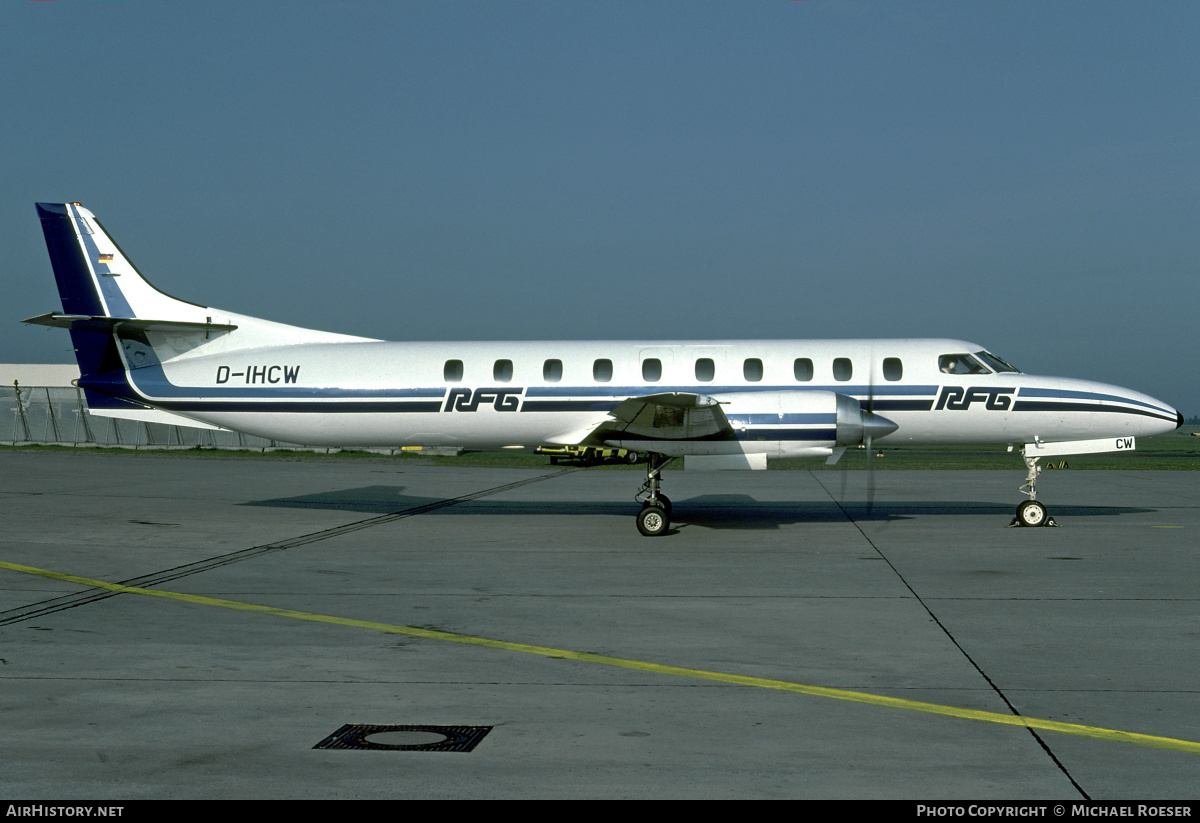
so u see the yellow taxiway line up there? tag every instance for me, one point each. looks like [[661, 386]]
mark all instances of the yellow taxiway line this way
[[1111, 735]]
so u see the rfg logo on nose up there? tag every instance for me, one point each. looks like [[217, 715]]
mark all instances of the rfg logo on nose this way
[[467, 400], [956, 398]]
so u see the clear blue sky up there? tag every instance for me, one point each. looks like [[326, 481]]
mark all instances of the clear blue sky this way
[[1025, 175]]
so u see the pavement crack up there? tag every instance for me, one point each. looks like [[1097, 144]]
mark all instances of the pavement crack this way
[[950, 635]]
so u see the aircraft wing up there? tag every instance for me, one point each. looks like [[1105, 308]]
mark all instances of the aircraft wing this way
[[669, 416]]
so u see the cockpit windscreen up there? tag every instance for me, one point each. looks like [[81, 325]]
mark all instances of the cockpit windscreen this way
[[960, 364], [996, 364]]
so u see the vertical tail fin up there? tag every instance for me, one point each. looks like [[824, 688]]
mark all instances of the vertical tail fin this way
[[120, 323], [95, 278], [103, 296]]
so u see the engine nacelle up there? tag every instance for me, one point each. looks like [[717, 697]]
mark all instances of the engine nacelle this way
[[817, 416]]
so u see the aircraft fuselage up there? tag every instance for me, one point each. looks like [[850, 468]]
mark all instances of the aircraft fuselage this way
[[533, 393]]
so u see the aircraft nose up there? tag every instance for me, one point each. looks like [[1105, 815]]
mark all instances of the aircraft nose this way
[[1178, 419]]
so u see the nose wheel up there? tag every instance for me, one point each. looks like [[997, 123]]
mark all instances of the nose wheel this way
[[653, 521], [655, 517], [1031, 512]]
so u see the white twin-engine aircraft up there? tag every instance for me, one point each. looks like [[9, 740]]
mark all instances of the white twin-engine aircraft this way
[[725, 404]]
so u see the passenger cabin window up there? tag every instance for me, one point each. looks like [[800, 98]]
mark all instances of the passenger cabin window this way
[[843, 369], [960, 364], [453, 371], [602, 370], [502, 371], [893, 369], [652, 370], [803, 369], [706, 369], [552, 371], [752, 369]]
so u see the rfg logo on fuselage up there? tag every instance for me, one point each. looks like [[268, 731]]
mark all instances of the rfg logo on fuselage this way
[[468, 400], [956, 398]]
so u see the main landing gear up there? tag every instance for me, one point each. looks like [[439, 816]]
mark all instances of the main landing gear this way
[[1031, 512], [655, 517]]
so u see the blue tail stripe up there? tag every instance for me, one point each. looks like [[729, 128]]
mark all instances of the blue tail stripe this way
[[118, 306], [95, 352], [75, 284]]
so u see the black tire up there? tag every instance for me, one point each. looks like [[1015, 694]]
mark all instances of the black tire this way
[[653, 521], [1031, 513]]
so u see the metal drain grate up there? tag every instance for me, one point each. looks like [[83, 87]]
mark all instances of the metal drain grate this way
[[405, 738]]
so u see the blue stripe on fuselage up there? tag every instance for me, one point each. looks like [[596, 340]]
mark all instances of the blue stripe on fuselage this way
[[1087, 395], [624, 392], [744, 435], [1095, 408], [782, 419]]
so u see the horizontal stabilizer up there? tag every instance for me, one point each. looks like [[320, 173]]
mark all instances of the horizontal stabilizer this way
[[107, 325]]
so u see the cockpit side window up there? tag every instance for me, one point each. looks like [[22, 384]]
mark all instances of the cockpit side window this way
[[995, 362], [960, 364]]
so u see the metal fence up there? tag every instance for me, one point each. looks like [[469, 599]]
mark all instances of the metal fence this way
[[48, 414]]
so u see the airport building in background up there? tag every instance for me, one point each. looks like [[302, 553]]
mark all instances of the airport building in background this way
[[60, 375], [39, 403]]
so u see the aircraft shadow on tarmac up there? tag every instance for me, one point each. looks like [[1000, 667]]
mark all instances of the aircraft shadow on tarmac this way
[[718, 511]]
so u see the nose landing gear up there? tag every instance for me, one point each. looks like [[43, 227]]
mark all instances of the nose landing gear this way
[[1031, 512]]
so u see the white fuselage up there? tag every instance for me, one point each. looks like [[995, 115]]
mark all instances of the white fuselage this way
[[484, 395]]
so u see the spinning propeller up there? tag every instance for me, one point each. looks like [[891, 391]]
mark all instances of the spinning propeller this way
[[873, 426]]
